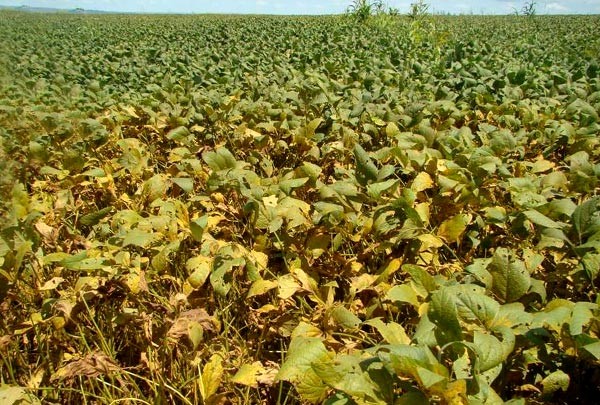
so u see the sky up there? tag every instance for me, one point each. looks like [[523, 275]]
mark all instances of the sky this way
[[308, 6]]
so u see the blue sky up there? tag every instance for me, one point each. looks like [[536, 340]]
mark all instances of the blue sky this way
[[308, 6]]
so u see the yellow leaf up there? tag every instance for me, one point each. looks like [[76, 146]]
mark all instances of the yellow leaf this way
[[422, 182], [211, 376], [248, 374], [430, 241], [260, 287], [542, 165], [260, 258], [424, 212], [455, 393], [51, 284], [199, 268], [392, 267], [288, 286], [270, 201], [451, 230]]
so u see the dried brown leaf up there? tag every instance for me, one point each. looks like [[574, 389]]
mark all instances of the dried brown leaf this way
[[181, 326], [92, 365]]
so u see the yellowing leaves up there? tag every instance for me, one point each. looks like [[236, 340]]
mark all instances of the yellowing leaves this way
[[210, 377], [422, 182], [451, 230], [252, 375]]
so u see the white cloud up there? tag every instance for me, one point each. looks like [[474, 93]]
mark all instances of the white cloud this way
[[556, 7]]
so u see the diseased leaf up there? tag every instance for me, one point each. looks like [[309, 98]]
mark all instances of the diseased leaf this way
[[199, 268], [91, 365]]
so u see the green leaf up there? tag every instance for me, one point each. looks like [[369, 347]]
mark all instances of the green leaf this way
[[137, 237], [421, 278], [443, 313], [586, 218], [376, 189], [311, 170], [428, 378], [403, 293], [473, 305], [178, 134], [288, 185], [95, 217], [82, 262], [406, 360], [221, 159], [556, 381], [591, 265], [160, 261], [593, 349], [301, 354], [554, 316], [541, 220], [344, 317], [366, 171], [198, 226], [412, 398], [511, 278], [220, 277], [185, 183], [511, 315], [581, 316], [489, 350], [310, 129], [304, 353]]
